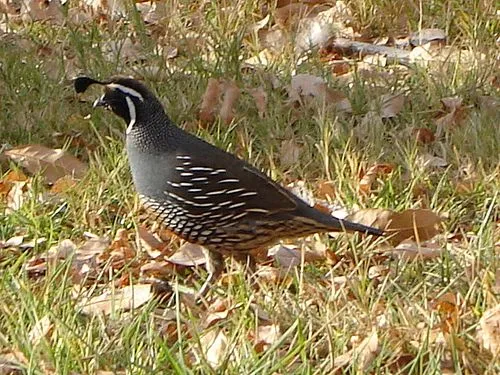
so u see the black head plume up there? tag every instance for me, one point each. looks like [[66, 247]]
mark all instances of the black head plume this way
[[82, 83], [127, 97]]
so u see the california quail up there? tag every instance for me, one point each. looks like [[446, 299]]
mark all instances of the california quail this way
[[204, 194]]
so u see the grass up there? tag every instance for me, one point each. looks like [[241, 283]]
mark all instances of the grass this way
[[320, 316]]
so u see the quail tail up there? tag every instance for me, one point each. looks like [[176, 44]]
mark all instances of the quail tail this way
[[340, 225]]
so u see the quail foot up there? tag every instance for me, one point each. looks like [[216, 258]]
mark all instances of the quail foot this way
[[200, 192]]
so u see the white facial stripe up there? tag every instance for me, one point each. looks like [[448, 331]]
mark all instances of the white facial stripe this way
[[96, 102], [131, 111], [126, 90]]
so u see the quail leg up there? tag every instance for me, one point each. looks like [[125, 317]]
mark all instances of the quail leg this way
[[214, 266]]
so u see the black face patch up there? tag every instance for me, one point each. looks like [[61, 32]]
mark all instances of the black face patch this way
[[116, 101]]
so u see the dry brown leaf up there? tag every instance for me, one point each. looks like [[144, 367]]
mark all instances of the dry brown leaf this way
[[189, 255], [229, 101], [15, 176], [53, 164], [452, 103], [263, 59], [289, 153], [364, 353], [290, 13], [159, 269], [323, 23], [424, 36], [305, 87], [418, 224], [421, 55], [326, 190], [365, 185], [392, 105], [13, 363], [428, 161], [375, 217], [265, 336], [210, 101], [14, 241], [489, 330], [454, 114], [410, 250], [16, 196], [255, 27], [214, 344], [127, 298], [260, 97], [153, 246], [448, 309], [287, 256], [63, 184], [35, 10], [424, 135], [40, 330], [218, 310], [271, 275]]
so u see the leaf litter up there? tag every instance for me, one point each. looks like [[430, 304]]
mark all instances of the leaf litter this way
[[412, 230]]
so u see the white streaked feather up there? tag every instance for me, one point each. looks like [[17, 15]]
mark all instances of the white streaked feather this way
[[126, 90], [132, 114]]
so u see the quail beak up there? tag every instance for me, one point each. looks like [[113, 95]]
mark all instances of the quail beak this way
[[99, 102]]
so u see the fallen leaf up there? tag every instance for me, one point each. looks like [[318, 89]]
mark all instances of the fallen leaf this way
[[189, 255], [63, 184], [14, 241], [213, 345], [229, 101], [209, 101], [260, 97], [305, 87], [13, 363], [218, 310], [287, 256], [53, 164], [375, 217], [418, 224], [157, 269], [365, 185], [265, 336], [424, 135], [364, 353], [40, 330], [410, 250], [424, 36], [326, 190], [392, 105], [447, 307], [16, 195], [427, 161], [267, 275], [34, 10], [454, 114], [289, 153], [489, 330], [287, 15], [127, 298], [153, 246]]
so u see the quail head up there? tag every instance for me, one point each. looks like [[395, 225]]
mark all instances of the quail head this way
[[200, 192]]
